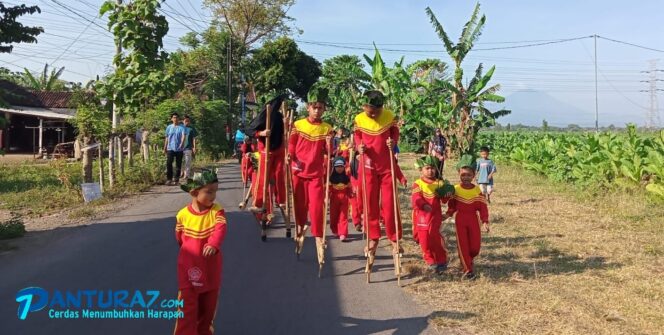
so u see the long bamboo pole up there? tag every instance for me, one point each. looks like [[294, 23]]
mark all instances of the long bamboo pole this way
[[365, 218], [326, 204], [266, 173], [396, 256]]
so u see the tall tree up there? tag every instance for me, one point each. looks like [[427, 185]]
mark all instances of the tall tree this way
[[140, 80], [11, 31], [280, 66], [467, 112], [345, 79], [252, 21]]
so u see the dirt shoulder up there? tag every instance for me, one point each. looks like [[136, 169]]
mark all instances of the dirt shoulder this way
[[557, 261]]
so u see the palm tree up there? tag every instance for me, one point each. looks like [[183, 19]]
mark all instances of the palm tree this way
[[467, 110], [45, 82]]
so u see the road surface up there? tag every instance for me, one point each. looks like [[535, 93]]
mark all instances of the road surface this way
[[265, 289]]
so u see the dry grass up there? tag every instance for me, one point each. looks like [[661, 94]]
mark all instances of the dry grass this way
[[556, 262]]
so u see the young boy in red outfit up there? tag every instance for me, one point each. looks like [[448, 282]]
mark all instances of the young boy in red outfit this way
[[340, 192], [200, 231], [427, 197], [467, 203], [307, 154]]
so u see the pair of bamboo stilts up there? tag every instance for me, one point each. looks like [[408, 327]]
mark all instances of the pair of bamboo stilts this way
[[370, 253]]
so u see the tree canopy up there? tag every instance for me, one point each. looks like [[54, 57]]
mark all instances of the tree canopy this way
[[11, 31]]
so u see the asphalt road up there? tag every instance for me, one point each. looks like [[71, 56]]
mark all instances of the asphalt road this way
[[265, 289]]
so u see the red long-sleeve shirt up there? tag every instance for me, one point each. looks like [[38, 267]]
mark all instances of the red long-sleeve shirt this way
[[194, 231], [307, 148], [424, 193], [373, 133], [466, 203]]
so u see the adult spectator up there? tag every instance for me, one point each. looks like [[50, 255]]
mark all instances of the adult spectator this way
[[438, 148], [174, 146]]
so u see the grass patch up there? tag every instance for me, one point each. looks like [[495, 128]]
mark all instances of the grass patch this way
[[557, 261], [39, 189]]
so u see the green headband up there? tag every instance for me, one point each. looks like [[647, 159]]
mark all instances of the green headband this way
[[466, 160], [427, 160], [200, 179], [317, 94], [373, 98]]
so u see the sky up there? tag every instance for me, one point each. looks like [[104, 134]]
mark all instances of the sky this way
[[564, 71]]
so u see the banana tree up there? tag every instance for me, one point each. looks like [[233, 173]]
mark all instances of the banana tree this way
[[467, 102], [46, 81]]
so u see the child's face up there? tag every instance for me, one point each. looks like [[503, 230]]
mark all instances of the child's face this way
[[316, 110], [206, 194], [484, 154], [466, 175], [339, 169], [428, 172]]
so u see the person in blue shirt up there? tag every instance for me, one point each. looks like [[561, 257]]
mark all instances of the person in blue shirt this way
[[174, 143], [485, 169]]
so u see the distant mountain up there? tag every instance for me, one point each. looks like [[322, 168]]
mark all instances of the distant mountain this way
[[530, 107]]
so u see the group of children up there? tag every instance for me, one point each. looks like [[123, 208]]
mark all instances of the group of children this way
[[201, 225]]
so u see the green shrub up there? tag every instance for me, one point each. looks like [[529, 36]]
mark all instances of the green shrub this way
[[12, 228]]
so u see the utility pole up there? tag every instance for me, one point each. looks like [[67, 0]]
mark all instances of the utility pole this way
[[114, 123], [596, 99], [652, 116], [229, 79]]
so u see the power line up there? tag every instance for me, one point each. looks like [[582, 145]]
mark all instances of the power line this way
[[631, 44], [79, 15], [72, 43]]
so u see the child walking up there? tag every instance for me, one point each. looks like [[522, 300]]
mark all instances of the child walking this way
[[428, 195], [485, 170], [200, 231], [340, 192], [466, 204]]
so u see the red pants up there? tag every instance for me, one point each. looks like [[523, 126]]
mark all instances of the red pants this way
[[199, 310], [380, 206], [276, 177], [432, 245], [416, 236], [247, 169], [339, 213], [469, 239], [309, 195], [356, 202], [270, 195]]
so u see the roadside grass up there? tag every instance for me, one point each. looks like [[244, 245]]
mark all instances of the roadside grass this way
[[34, 190], [557, 261]]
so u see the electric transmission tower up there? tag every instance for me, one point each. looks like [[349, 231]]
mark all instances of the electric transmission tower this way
[[652, 116]]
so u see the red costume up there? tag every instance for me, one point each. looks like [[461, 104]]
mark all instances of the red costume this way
[[277, 153], [340, 192], [356, 200], [467, 203], [426, 225], [373, 133], [307, 150], [247, 167], [199, 278]]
